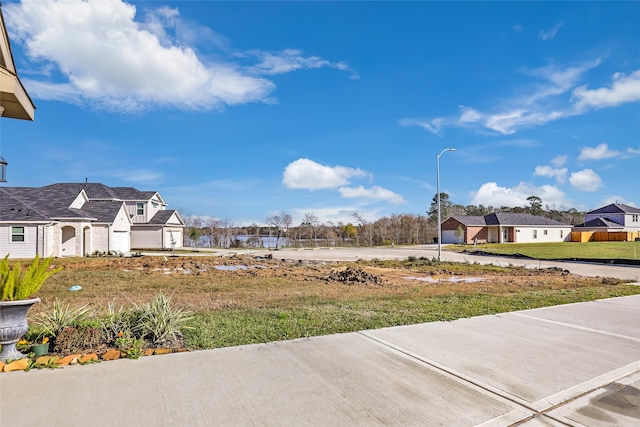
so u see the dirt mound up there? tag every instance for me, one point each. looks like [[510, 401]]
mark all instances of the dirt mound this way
[[353, 275]]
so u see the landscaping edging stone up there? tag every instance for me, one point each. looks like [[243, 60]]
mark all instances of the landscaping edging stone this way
[[53, 362]]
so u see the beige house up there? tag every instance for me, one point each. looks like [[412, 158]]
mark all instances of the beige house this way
[[81, 219]]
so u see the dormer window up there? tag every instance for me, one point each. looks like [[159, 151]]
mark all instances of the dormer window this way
[[139, 208]]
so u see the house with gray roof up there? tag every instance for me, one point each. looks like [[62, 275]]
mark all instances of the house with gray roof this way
[[613, 217], [78, 219], [503, 227]]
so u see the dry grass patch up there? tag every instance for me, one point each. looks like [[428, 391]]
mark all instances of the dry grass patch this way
[[242, 299]]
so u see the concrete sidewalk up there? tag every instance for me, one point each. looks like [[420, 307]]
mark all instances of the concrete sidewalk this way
[[575, 364]]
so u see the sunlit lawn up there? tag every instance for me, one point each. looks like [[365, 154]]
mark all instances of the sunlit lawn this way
[[565, 250]]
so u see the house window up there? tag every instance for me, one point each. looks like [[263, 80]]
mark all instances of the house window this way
[[154, 204], [535, 234], [17, 234], [634, 218], [562, 234], [139, 208], [544, 232]]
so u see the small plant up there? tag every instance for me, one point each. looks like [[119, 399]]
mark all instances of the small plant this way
[[60, 317], [158, 321], [115, 322], [18, 285], [130, 346]]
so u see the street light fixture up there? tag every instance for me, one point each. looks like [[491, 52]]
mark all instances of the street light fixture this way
[[438, 196]]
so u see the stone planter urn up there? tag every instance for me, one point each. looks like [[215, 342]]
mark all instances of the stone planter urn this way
[[13, 325]]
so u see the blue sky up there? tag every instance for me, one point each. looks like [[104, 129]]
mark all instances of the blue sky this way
[[242, 110]]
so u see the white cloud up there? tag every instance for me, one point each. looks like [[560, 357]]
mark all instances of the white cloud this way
[[289, 60], [542, 103], [559, 161], [550, 172], [307, 174], [599, 152], [633, 151], [432, 126], [374, 193], [97, 53], [491, 194], [623, 89], [550, 34], [585, 180]]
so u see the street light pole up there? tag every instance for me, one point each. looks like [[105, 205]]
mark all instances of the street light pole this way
[[438, 196]]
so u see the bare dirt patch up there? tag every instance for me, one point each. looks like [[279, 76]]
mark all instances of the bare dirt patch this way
[[211, 283]]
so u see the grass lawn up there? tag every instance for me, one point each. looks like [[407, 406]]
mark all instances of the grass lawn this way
[[565, 250], [263, 301]]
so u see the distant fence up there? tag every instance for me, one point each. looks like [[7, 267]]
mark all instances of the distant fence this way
[[604, 236]]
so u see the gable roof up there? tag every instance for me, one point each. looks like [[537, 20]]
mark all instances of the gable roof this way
[[509, 219], [14, 99], [470, 220], [52, 202], [98, 191], [615, 208], [599, 223], [163, 217]]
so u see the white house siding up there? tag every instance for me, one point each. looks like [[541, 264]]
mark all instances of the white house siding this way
[[99, 238], [26, 249], [153, 206], [543, 234], [121, 222], [148, 237]]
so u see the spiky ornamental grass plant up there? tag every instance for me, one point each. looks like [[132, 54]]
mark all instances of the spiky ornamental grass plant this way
[[62, 316], [18, 285], [158, 322]]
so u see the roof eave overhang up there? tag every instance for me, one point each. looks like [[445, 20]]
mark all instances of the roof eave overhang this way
[[14, 99]]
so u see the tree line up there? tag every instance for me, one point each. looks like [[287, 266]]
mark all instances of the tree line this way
[[398, 229]]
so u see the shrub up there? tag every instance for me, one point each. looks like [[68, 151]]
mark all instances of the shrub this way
[[61, 316], [116, 322], [158, 322], [18, 285]]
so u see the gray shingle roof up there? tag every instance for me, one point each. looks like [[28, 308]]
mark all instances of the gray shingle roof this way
[[599, 223], [470, 220], [509, 219], [161, 217], [615, 208], [52, 202]]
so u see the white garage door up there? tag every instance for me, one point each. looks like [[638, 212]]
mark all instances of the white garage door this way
[[449, 236], [120, 242]]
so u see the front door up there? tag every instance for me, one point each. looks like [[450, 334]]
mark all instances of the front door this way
[[505, 234]]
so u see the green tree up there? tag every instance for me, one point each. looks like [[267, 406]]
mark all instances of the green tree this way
[[445, 207], [535, 205]]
